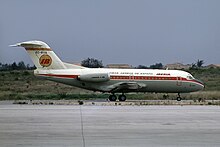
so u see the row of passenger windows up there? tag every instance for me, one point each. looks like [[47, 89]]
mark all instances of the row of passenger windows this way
[[143, 78], [127, 73], [145, 73]]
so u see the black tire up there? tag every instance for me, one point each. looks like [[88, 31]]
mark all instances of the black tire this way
[[178, 98], [112, 98], [122, 97]]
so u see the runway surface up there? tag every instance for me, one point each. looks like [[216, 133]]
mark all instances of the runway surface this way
[[105, 126]]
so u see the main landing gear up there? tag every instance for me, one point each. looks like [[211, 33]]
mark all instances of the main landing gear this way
[[113, 97], [122, 97]]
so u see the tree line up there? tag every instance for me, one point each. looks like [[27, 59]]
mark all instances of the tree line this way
[[90, 63], [16, 66], [154, 66], [95, 63]]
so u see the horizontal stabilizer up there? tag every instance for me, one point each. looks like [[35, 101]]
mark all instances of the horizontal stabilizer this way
[[31, 44]]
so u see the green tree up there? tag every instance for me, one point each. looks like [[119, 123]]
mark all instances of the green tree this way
[[200, 63], [21, 65], [193, 66], [141, 67], [157, 66], [92, 63], [14, 66]]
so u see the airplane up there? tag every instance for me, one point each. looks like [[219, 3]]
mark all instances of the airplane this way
[[108, 80]]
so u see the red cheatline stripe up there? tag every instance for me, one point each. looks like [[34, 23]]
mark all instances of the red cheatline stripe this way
[[59, 76], [195, 82], [128, 78]]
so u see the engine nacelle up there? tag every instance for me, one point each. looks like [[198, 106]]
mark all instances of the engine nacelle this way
[[96, 77]]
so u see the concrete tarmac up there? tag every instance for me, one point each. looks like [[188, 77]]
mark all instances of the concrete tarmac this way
[[108, 126]]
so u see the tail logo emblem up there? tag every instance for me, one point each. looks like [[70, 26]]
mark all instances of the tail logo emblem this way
[[45, 60]]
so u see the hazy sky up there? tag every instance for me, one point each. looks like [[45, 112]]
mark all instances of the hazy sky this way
[[114, 31]]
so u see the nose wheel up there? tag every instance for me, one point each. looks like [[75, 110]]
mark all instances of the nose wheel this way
[[178, 97]]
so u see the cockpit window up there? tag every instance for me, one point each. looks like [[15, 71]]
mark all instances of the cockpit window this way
[[190, 77]]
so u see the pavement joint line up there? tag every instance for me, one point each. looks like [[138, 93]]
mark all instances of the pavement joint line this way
[[82, 129]]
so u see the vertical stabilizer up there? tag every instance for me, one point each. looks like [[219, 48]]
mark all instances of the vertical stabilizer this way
[[42, 55]]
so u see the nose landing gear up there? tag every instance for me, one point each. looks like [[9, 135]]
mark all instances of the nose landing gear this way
[[178, 97]]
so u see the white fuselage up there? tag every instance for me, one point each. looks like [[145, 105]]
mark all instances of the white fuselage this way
[[148, 80]]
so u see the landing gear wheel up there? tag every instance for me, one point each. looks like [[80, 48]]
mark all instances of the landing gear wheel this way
[[122, 97], [178, 97], [112, 97]]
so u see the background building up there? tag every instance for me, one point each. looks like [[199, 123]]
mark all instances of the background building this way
[[177, 66], [118, 66]]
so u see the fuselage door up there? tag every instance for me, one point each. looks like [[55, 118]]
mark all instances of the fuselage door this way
[[131, 77], [179, 81]]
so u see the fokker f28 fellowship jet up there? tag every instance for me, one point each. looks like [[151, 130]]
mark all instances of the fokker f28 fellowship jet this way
[[50, 67]]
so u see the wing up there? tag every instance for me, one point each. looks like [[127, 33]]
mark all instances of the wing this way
[[126, 87]]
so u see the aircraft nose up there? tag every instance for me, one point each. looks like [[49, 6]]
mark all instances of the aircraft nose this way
[[200, 84]]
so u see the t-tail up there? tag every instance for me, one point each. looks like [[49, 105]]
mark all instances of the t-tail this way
[[43, 57]]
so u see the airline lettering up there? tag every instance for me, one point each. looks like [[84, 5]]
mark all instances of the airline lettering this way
[[167, 74], [40, 52]]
